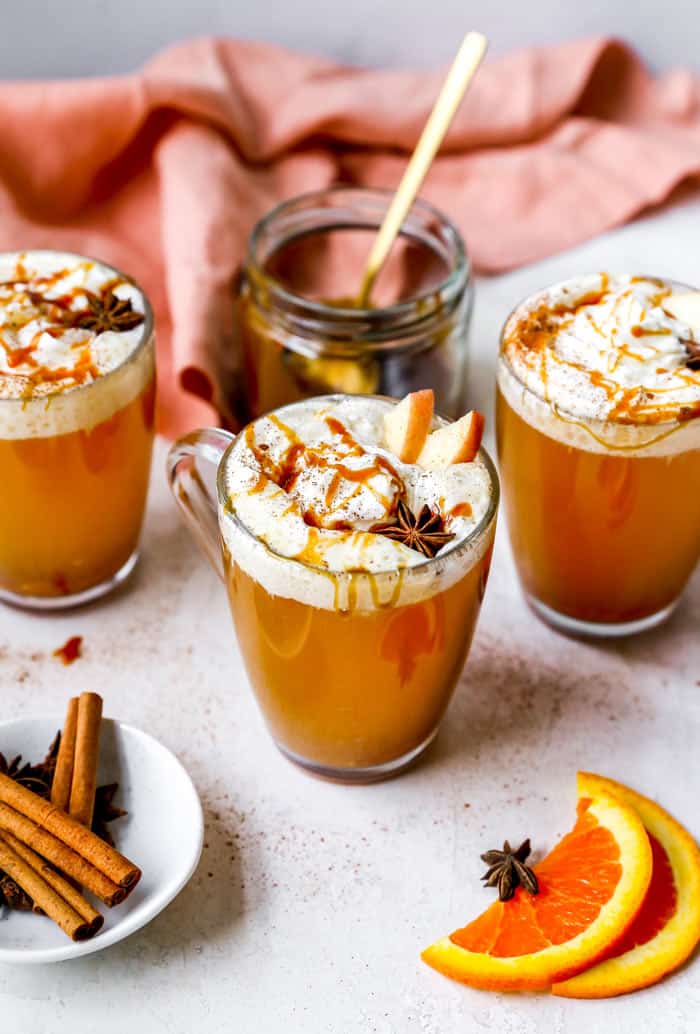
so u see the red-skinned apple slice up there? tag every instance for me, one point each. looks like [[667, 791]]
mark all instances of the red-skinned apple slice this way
[[456, 443], [407, 424]]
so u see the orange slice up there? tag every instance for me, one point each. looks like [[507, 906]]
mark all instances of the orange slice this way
[[592, 884], [667, 928]]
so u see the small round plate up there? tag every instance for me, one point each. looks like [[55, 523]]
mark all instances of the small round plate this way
[[163, 834]]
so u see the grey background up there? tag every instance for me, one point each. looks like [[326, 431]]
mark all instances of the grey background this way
[[56, 38]]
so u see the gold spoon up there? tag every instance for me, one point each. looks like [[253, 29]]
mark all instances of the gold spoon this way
[[469, 57]]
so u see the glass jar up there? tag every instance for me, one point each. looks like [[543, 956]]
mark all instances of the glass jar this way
[[302, 334]]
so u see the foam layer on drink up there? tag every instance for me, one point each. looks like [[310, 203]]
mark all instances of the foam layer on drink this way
[[309, 482], [597, 362], [70, 331]]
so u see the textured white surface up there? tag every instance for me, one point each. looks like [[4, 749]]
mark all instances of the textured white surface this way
[[312, 901]]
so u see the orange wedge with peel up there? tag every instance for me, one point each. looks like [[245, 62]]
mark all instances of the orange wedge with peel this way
[[591, 887], [667, 927]]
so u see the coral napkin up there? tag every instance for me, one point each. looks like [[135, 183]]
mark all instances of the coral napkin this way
[[164, 172]]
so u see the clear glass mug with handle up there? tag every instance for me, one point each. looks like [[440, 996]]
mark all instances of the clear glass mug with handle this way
[[352, 670]]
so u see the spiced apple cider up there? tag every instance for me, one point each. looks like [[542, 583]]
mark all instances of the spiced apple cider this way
[[356, 549], [598, 424], [76, 426]]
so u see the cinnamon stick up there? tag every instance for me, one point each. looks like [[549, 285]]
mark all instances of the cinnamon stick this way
[[98, 854], [87, 748], [56, 907], [61, 856], [54, 879], [63, 774]]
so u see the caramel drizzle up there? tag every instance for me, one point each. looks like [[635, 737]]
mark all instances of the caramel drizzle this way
[[638, 331], [461, 510], [535, 332], [289, 467], [57, 309], [393, 599], [284, 472], [281, 474]]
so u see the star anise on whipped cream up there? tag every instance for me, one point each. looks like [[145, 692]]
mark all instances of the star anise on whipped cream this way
[[107, 313], [425, 533]]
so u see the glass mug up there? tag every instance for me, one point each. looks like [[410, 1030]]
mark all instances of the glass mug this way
[[75, 470], [603, 515], [302, 334], [354, 692]]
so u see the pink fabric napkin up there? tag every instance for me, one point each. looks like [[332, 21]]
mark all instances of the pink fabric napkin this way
[[164, 172]]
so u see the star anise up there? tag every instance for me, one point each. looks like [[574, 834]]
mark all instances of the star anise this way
[[37, 778], [107, 313], [424, 533], [13, 896], [106, 811], [507, 870]]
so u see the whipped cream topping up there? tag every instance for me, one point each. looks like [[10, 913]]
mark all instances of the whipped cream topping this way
[[310, 481], [602, 347], [43, 294], [44, 359]]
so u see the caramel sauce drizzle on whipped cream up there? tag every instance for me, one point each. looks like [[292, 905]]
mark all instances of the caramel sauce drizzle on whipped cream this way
[[603, 347], [44, 297], [311, 480]]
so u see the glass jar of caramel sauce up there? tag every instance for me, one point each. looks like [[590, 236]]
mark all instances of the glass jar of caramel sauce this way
[[302, 333]]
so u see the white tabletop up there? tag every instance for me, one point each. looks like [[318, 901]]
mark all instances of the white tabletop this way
[[312, 902]]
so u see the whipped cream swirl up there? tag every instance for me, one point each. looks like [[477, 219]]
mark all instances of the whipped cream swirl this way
[[310, 481], [603, 347], [41, 292]]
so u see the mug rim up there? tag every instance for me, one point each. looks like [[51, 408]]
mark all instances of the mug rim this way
[[145, 339], [226, 510]]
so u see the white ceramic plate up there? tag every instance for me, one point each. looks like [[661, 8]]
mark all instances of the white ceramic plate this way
[[163, 834]]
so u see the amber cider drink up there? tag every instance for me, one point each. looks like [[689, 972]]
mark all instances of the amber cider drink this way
[[598, 427], [353, 641], [77, 393]]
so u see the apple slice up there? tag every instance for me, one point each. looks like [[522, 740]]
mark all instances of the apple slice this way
[[407, 424], [684, 307], [456, 443]]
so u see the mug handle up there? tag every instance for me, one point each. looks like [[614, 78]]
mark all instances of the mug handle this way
[[196, 502]]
